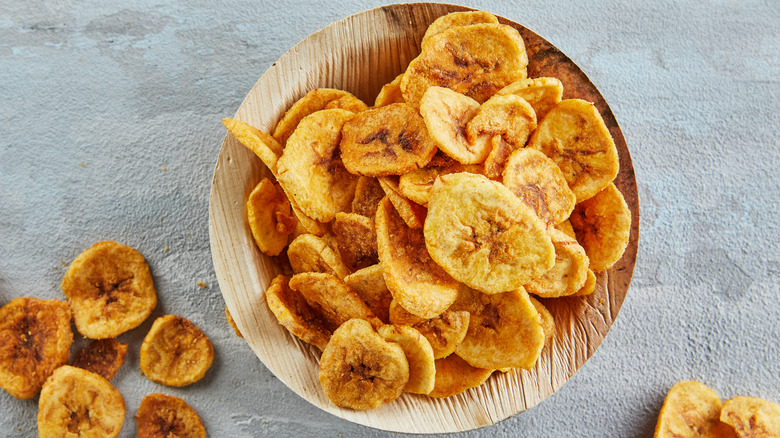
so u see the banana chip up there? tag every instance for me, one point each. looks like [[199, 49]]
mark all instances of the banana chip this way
[[175, 352], [456, 19], [691, 410], [574, 136], [263, 145], [75, 402], [356, 240], [109, 289], [412, 213], [360, 370], [509, 116], [603, 225], [447, 115], [333, 299], [417, 185], [419, 355], [454, 375], [483, 235], [103, 357], [567, 229], [368, 193], [542, 93], [569, 273], [589, 287], [35, 339], [418, 284], [752, 417], [348, 102], [315, 100], [306, 225], [389, 140], [310, 170], [163, 416], [296, 315], [390, 93], [369, 283], [443, 332], [309, 253], [270, 217], [548, 322]]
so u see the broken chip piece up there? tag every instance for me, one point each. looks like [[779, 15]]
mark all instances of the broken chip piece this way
[[102, 356]]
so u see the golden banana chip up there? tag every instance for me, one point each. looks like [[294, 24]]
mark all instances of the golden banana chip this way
[[232, 323], [368, 193], [263, 145], [347, 102], [454, 375], [109, 289], [103, 357], [752, 417], [483, 235], [310, 170], [691, 410], [417, 185], [574, 136], [270, 217], [369, 283], [389, 140], [603, 225], [418, 284], [333, 299], [447, 115], [495, 163], [390, 93], [360, 370], [175, 352], [455, 19], [356, 240], [296, 315], [548, 322], [569, 273], [315, 100], [476, 60], [76, 402], [309, 253], [412, 213], [35, 339], [542, 93], [540, 184], [444, 332], [590, 285], [566, 227], [163, 416], [419, 355], [306, 225], [509, 116]]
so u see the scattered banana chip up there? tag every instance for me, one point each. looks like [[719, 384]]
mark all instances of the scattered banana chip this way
[[270, 217], [334, 300], [309, 253], [417, 283], [109, 289], [369, 283], [315, 100], [568, 275], [454, 375], [412, 214], [548, 322], [232, 322], [390, 140], [603, 225], [590, 285], [360, 370], [691, 410], [162, 416], [296, 315], [356, 240], [263, 145], [35, 339], [175, 352], [483, 235], [419, 355], [390, 93], [443, 332], [574, 136], [103, 357], [456, 19], [542, 93], [368, 193], [447, 115], [752, 417], [76, 402]]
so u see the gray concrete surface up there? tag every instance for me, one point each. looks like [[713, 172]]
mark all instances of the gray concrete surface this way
[[110, 128]]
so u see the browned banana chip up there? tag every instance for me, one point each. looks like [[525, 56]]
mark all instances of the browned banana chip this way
[[542, 93], [76, 402], [454, 375], [419, 354], [447, 114], [389, 140], [35, 339], [315, 100], [232, 323], [691, 410], [263, 145], [175, 352], [109, 289], [569, 273], [305, 223], [540, 184], [103, 357], [417, 185], [163, 416], [368, 193], [418, 284], [296, 315], [360, 370], [603, 225], [310, 170], [483, 235], [336, 301], [506, 331], [476, 60], [270, 217], [390, 93], [548, 322], [413, 214], [443, 332], [495, 163], [574, 136], [590, 285], [455, 19], [356, 240], [752, 417], [369, 283], [309, 253]]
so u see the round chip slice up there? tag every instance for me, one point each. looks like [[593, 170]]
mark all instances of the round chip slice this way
[[35, 339], [315, 100], [446, 114], [175, 352], [296, 315], [509, 116], [455, 19], [369, 283], [270, 217], [691, 410], [109, 289], [483, 235], [103, 357], [454, 375], [333, 299], [419, 354], [569, 273], [309, 253], [360, 370], [263, 145], [752, 417], [443, 332], [542, 93], [75, 402], [163, 416], [603, 225]]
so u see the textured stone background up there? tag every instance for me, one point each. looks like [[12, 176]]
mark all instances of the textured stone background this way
[[110, 128]]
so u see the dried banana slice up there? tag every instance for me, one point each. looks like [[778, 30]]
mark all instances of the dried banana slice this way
[[360, 370], [356, 240], [390, 93], [417, 185], [35, 339], [419, 354], [306, 225], [752, 417], [510, 117], [574, 136], [270, 217], [548, 322], [368, 193], [495, 163], [455, 19], [310, 170], [418, 284], [483, 235], [542, 93], [443, 332], [175, 352], [347, 102], [76, 402], [454, 375], [390, 140], [163, 416], [296, 315], [369, 283], [333, 299], [103, 357], [232, 322], [412, 214], [589, 287], [447, 114], [309, 253], [603, 225], [109, 289], [315, 100], [690, 410], [263, 145], [569, 273]]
